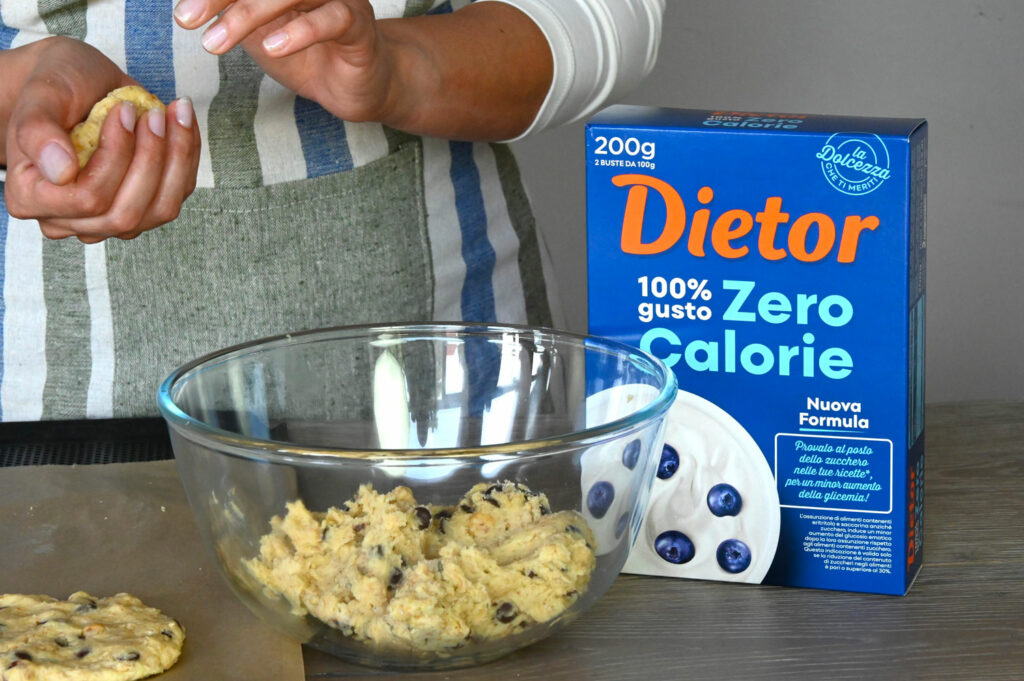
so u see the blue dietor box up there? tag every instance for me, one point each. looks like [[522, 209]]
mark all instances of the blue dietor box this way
[[777, 263]]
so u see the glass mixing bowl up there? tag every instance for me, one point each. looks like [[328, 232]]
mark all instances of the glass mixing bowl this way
[[564, 431]]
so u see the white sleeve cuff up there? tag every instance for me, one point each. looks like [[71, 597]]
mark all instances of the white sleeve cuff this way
[[601, 50]]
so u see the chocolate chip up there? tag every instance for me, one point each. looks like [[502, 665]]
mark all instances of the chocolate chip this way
[[442, 516], [492, 500], [545, 509], [423, 517], [492, 489], [360, 527], [86, 607], [506, 612], [344, 507], [129, 657], [323, 535], [23, 655], [82, 653], [168, 633], [62, 642], [12, 665], [572, 594], [531, 574], [379, 550], [573, 528], [466, 508], [395, 579]]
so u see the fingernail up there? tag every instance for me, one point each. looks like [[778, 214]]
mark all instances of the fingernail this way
[[214, 37], [183, 112], [188, 11], [127, 114], [156, 122], [53, 161], [275, 41]]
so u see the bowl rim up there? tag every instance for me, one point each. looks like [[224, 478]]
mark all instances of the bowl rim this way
[[274, 451]]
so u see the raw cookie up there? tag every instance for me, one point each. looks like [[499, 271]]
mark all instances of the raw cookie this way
[[387, 570], [85, 136], [84, 638]]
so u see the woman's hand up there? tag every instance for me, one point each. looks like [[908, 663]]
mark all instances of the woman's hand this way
[[330, 51], [136, 180], [479, 73]]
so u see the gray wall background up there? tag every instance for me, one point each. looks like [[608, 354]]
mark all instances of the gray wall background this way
[[959, 64]]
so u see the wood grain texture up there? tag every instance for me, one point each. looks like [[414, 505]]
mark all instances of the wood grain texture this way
[[963, 619]]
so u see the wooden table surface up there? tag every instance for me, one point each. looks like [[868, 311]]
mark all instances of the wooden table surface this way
[[963, 619]]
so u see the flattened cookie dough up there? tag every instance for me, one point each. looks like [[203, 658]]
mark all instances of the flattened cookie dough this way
[[85, 137], [85, 638], [389, 571]]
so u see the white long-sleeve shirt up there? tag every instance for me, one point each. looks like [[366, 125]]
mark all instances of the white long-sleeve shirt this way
[[601, 49]]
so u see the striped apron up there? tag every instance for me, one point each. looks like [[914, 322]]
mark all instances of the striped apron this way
[[299, 220]]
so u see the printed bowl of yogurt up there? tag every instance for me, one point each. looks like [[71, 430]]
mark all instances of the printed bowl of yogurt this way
[[411, 496], [714, 507]]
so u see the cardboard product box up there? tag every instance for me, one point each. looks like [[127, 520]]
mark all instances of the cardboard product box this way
[[777, 263]]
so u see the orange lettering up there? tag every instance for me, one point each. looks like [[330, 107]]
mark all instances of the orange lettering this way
[[633, 219], [699, 228], [852, 228], [723, 232], [798, 237], [770, 219]]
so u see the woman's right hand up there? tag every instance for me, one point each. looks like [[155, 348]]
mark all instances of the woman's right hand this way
[[138, 177]]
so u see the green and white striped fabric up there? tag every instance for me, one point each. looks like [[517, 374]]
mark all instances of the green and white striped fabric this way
[[299, 220]]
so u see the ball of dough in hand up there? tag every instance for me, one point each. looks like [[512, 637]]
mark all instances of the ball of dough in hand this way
[[85, 136]]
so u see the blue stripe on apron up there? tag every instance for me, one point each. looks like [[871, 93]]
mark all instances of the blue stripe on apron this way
[[444, 8], [148, 46], [477, 289], [482, 357], [324, 143], [6, 38]]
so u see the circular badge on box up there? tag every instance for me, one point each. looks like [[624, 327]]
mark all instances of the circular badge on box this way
[[855, 163]]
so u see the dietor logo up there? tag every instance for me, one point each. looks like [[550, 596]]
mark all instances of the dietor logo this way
[[855, 163]]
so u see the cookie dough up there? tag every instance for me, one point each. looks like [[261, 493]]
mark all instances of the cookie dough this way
[[387, 570], [84, 638], [85, 137]]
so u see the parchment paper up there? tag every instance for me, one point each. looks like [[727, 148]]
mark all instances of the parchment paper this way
[[127, 527]]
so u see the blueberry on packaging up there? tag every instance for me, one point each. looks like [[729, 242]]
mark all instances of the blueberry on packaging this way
[[723, 500], [599, 498], [631, 454], [733, 555], [675, 547], [776, 261], [669, 462]]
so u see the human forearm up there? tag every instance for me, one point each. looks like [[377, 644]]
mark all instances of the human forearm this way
[[480, 73], [15, 65]]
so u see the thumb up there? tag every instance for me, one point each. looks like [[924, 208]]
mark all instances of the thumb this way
[[41, 137]]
